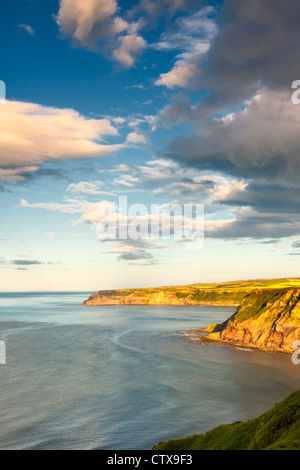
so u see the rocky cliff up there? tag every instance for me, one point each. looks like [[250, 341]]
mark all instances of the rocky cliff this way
[[222, 294], [164, 296], [265, 319]]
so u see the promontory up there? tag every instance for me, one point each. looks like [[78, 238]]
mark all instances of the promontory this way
[[267, 315]]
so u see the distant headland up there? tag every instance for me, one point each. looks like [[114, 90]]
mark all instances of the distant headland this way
[[267, 317]]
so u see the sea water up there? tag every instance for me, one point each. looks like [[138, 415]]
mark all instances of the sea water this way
[[123, 377]]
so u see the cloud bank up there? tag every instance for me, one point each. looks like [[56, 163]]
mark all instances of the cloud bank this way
[[32, 134]]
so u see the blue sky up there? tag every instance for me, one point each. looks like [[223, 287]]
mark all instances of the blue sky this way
[[177, 101]]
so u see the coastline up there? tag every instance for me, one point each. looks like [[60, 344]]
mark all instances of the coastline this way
[[157, 304], [202, 337], [266, 317]]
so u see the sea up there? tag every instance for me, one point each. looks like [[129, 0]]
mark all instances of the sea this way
[[123, 377]]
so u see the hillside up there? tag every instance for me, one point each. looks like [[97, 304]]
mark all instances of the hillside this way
[[219, 294], [277, 429], [266, 319]]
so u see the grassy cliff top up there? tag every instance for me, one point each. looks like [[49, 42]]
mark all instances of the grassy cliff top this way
[[277, 429], [246, 286], [224, 293]]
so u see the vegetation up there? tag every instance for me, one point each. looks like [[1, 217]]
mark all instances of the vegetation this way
[[277, 429], [225, 294]]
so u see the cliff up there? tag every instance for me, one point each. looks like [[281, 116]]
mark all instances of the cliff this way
[[266, 319], [165, 297], [277, 429], [222, 294]]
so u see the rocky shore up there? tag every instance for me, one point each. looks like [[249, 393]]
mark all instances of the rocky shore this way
[[267, 320]]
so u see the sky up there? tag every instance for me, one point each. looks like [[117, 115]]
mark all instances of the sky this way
[[163, 102]]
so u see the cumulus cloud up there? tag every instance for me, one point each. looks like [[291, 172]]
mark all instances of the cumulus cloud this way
[[179, 76], [249, 223], [245, 127], [119, 120], [129, 47], [136, 138], [257, 148], [258, 43], [259, 141], [94, 21], [90, 20], [32, 134]]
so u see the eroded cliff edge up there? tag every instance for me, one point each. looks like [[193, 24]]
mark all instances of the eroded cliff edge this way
[[219, 294], [266, 319], [163, 297]]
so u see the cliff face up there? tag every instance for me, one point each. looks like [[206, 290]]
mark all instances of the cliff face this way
[[220, 294], [158, 298], [167, 296], [268, 320]]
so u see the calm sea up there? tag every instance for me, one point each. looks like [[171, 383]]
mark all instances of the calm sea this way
[[125, 377]]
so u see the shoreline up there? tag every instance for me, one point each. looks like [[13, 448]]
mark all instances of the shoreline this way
[[201, 337], [265, 319], [158, 304]]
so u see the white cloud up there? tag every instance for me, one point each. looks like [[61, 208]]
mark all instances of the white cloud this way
[[192, 36], [136, 138], [88, 188], [32, 134], [179, 76], [27, 28], [119, 120], [94, 213], [72, 206], [16, 174], [130, 46], [90, 21], [87, 21]]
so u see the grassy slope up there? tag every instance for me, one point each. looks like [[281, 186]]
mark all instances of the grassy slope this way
[[226, 293], [277, 429]]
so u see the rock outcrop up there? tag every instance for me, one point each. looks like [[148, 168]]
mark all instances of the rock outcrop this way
[[267, 320], [156, 298], [167, 296]]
